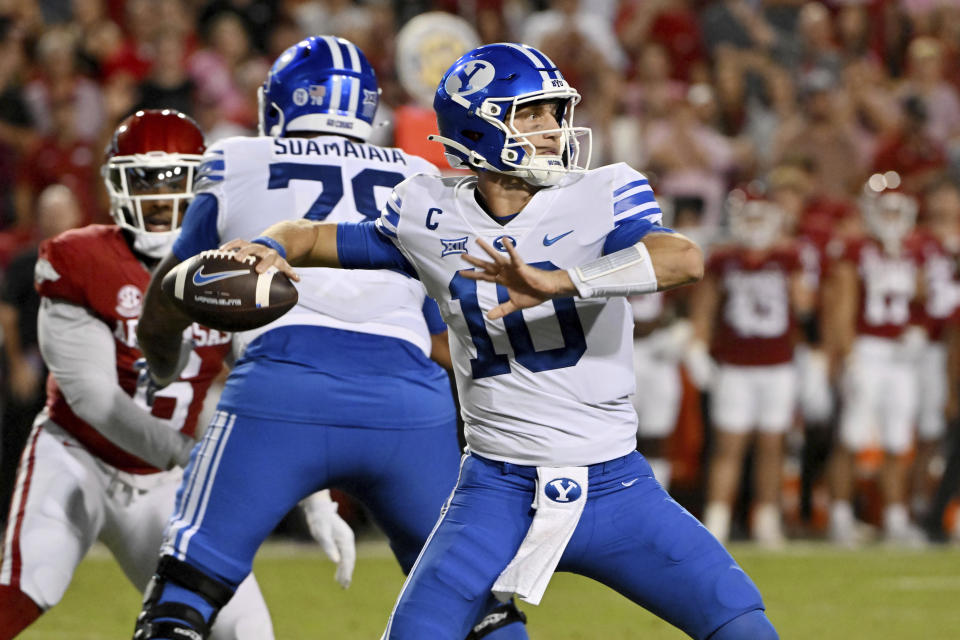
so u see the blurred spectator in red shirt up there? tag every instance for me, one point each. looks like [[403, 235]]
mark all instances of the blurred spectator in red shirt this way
[[670, 23], [59, 81], [63, 157], [910, 151]]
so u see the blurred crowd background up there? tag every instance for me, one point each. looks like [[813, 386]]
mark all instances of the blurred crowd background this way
[[792, 102]]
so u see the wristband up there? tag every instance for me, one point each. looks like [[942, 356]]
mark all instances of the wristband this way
[[267, 241]]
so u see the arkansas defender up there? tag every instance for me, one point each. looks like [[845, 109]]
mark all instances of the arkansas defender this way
[[100, 462], [939, 246], [874, 283], [659, 340], [745, 309]]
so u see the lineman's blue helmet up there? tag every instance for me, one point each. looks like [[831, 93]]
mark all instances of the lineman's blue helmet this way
[[321, 84], [475, 104]]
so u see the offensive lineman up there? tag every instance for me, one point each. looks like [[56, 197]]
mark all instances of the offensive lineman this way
[[339, 392], [99, 463], [541, 348]]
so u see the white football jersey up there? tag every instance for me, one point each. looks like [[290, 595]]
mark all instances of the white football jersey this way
[[264, 180], [548, 386]]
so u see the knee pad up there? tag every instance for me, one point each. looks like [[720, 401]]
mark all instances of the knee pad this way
[[497, 618], [166, 619], [753, 625]]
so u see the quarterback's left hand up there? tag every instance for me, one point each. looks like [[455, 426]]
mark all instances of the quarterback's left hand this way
[[528, 286], [334, 535]]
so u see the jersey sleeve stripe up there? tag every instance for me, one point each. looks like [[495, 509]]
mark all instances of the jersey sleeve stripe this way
[[382, 228], [644, 210], [641, 197], [395, 200], [208, 166], [650, 213], [630, 185]]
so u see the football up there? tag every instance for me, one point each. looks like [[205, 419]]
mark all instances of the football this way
[[227, 294]]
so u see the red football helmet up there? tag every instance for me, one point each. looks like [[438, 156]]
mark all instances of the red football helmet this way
[[888, 212], [755, 222], [151, 163]]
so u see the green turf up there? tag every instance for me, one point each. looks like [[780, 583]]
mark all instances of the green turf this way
[[811, 592]]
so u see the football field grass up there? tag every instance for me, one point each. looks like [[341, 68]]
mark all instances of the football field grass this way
[[811, 591]]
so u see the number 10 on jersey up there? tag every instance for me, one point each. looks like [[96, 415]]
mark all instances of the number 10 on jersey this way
[[490, 363]]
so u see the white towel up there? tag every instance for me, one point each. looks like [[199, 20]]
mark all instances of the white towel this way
[[561, 496]]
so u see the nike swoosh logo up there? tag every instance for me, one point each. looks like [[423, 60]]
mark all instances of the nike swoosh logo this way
[[547, 240], [630, 483], [200, 279]]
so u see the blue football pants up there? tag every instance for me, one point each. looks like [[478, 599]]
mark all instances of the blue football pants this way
[[632, 536], [247, 473]]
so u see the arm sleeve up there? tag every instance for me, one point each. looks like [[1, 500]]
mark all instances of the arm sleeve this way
[[80, 352], [431, 313], [633, 197], [362, 246], [199, 230]]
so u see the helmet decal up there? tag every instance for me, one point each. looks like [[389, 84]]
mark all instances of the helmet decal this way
[[321, 84]]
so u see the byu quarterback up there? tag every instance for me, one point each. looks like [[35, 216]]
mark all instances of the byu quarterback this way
[[341, 391], [541, 342]]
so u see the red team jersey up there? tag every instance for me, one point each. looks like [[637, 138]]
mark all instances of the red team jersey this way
[[754, 324], [940, 280], [888, 286], [94, 267]]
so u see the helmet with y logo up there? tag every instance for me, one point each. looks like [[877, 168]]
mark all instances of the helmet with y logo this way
[[476, 103]]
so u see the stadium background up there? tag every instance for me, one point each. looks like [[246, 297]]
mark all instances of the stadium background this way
[[704, 96]]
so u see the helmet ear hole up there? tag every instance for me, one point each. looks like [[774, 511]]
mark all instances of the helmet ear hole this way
[[510, 155]]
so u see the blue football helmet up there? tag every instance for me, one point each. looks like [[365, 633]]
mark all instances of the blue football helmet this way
[[320, 84], [476, 102]]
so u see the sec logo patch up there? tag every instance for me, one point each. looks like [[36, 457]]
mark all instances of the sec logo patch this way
[[129, 301], [563, 490]]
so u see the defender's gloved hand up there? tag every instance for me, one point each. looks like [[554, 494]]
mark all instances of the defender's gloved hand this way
[[334, 535]]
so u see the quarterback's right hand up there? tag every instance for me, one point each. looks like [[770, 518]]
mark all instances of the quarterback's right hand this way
[[268, 257], [332, 532]]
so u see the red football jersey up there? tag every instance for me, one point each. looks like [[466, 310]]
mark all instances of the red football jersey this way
[[95, 268], [888, 286], [754, 323], [941, 282]]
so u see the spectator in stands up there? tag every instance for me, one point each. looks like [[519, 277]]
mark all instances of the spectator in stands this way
[[213, 68], [691, 157], [670, 23], [59, 82], [168, 86], [823, 131], [925, 79], [23, 392], [16, 132], [910, 151], [62, 157]]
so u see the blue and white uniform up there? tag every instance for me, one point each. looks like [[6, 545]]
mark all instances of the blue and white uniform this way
[[546, 387], [339, 392]]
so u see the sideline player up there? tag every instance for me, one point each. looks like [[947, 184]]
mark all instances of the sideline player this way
[[541, 343], [745, 309], [99, 462], [874, 284], [340, 392]]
